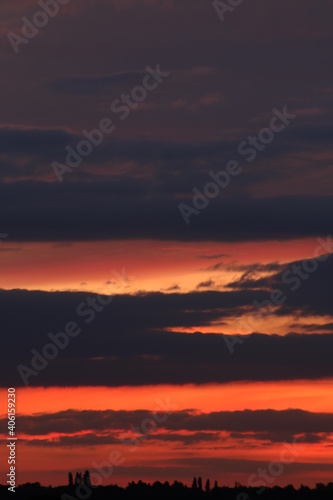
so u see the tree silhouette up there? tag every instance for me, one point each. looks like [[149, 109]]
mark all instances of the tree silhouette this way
[[86, 478], [78, 478], [200, 483], [70, 479], [158, 491]]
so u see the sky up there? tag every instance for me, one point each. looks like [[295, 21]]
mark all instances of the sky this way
[[166, 245]]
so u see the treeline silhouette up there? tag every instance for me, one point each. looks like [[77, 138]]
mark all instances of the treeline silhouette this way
[[80, 488]]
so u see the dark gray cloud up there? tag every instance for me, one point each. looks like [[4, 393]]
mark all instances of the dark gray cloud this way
[[305, 292], [169, 170], [128, 343], [267, 425], [94, 84], [91, 439], [104, 210], [205, 284], [49, 144], [188, 439], [313, 327]]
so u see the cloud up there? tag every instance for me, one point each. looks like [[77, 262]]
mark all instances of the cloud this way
[[173, 288], [115, 210], [89, 427], [94, 84], [130, 342], [205, 284], [313, 327], [305, 292]]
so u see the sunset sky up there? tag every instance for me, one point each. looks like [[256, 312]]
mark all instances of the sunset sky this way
[[195, 347]]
